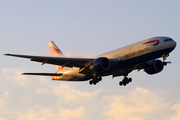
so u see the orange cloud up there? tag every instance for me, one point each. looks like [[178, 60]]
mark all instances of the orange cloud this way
[[176, 108], [138, 104]]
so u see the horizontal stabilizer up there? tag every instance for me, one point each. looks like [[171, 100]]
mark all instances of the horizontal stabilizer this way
[[43, 74]]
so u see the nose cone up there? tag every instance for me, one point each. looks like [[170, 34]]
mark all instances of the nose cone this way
[[170, 44], [173, 44]]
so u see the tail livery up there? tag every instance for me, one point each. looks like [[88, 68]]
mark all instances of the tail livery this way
[[55, 51]]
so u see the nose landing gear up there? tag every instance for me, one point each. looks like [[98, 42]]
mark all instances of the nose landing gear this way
[[125, 81], [164, 58]]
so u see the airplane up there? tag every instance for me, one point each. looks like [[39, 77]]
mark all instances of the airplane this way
[[120, 62]]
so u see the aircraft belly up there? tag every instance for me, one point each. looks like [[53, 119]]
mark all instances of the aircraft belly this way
[[60, 78], [67, 77]]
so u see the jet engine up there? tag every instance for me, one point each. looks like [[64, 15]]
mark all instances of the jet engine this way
[[154, 66], [100, 64]]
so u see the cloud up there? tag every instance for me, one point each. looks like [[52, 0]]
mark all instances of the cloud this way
[[43, 99], [39, 113], [41, 91], [138, 104], [176, 108], [77, 113], [15, 76], [4, 97], [71, 95]]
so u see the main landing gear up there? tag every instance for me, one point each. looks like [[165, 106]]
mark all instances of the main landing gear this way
[[95, 80], [125, 81]]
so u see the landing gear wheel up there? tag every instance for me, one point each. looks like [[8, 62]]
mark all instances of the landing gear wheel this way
[[95, 80], [100, 78], [120, 83], [124, 84], [125, 81], [91, 82]]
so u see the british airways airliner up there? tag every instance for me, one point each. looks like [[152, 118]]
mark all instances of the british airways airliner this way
[[119, 62]]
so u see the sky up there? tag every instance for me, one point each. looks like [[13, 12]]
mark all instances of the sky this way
[[86, 28]]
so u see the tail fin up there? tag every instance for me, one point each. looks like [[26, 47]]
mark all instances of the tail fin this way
[[55, 51]]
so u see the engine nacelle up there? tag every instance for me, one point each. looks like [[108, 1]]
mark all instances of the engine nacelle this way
[[154, 66], [100, 64]]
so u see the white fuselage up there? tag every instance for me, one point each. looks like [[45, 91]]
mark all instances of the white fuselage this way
[[151, 49]]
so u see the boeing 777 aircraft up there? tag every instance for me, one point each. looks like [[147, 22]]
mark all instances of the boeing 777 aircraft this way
[[119, 62]]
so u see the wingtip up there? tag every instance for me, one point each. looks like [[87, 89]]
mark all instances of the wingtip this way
[[25, 74], [7, 54]]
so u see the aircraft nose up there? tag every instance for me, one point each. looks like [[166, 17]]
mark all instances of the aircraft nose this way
[[173, 44]]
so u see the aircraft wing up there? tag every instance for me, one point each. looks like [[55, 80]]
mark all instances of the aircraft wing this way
[[62, 61]]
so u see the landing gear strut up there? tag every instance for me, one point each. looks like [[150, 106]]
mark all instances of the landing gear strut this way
[[164, 58], [125, 81], [95, 80]]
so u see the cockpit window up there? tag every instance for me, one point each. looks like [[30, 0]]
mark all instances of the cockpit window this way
[[168, 40]]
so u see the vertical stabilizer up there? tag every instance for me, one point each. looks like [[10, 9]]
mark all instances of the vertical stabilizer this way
[[55, 51]]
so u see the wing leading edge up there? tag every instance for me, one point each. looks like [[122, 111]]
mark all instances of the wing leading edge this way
[[54, 60], [62, 61]]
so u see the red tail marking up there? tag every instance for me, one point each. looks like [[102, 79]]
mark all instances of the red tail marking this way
[[55, 51]]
